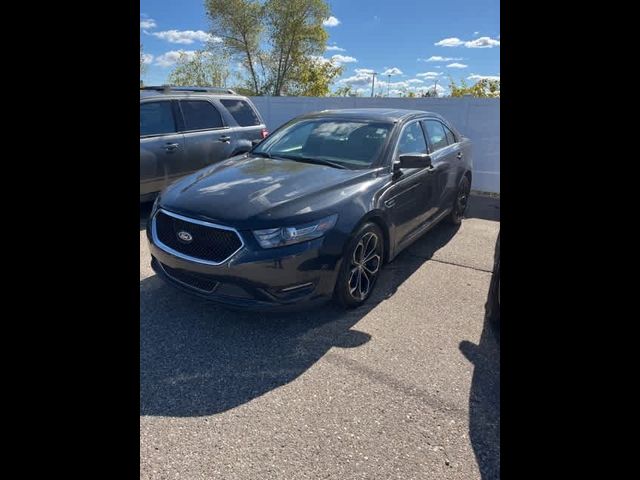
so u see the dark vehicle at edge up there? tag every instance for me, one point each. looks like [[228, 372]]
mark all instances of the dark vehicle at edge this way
[[313, 211]]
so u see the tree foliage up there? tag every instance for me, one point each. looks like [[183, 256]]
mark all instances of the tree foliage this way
[[311, 77], [295, 34], [345, 91], [484, 88], [240, 24], [202, 69], [275, 41]]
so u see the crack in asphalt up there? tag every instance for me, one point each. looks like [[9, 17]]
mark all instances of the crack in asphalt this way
[[451, 263]]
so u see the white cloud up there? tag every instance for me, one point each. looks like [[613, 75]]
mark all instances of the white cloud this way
[[457, 65], [147, 23], [392, 71], [360, 79], [475, 76], [170, 58], [476, 33], [429, 75], [331, 22], [186, 36], [147, 58], [438, 58], [340, 59], [449, 42], [334, 48], [482, 42], [415, 80]]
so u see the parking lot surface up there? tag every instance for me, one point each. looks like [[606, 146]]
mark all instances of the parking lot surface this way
[[405, 387]]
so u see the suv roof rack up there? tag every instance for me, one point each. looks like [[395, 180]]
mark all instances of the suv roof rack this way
[[169, 88]]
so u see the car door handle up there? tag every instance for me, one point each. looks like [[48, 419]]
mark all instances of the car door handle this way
[[459, 155], [225, 138], [170, 147]]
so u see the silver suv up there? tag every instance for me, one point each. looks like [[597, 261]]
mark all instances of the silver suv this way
[[184, 129]]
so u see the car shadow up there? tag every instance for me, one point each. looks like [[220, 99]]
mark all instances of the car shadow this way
[[197, 358], [484, 397]]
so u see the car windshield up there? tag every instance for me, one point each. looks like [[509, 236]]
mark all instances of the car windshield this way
[[344, 143]]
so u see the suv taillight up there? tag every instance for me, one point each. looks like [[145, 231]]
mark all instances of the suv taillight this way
[[264, 133]]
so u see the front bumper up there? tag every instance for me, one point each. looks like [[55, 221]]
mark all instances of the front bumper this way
[[284, 278]]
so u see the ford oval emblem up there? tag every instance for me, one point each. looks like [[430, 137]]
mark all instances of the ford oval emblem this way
[[185, 236]]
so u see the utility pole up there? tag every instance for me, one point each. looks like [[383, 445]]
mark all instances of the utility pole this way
[[435, 87], [388, 84], [373, 81]]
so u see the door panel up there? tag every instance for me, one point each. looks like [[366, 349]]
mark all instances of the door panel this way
[[207, 139], [161, 147], [443, 158], [207, 147], [410, 198], [161, 161]]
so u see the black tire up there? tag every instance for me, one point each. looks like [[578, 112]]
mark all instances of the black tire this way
[[361, 266], [461, 202]]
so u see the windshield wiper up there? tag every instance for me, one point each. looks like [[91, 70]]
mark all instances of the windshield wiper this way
[[318, 161]]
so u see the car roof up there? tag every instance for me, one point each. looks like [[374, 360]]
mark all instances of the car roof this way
[[152, 92], [376, 114]]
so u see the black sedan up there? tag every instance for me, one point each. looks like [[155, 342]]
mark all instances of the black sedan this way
[[313, 211]]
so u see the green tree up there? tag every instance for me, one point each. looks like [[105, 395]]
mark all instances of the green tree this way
[[275, 41], [295, 34], [240, 24], [344, 91], [312, 77], [202, 69], [484, 88]]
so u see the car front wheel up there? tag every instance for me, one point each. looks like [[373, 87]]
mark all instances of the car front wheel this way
[[360, 266]]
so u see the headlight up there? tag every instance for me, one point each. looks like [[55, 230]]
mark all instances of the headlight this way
[[277, 237]]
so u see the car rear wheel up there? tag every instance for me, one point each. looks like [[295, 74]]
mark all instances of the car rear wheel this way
[[461, 202], [360, 266]]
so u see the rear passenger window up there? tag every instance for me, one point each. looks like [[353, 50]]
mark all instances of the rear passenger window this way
[[156, 118], [435, 134], [451, 138], [200, 115], [241, 112]]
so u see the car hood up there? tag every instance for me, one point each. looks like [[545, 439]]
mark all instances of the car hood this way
[[252, 192]]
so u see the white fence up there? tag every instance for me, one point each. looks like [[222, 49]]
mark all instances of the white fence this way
[[476, 118]]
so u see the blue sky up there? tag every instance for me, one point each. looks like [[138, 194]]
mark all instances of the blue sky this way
[[419, 41]]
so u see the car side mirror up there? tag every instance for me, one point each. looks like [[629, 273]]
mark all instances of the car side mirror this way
[[415, 160], [255, 142]]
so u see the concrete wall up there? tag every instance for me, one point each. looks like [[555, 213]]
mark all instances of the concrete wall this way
[[476, 118]]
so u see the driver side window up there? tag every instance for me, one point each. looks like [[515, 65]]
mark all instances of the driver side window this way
[[412, 140]]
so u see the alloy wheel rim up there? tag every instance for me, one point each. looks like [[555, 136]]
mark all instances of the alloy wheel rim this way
[[365, 264]]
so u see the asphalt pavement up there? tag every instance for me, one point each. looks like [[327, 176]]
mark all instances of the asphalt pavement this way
[[405, 387]]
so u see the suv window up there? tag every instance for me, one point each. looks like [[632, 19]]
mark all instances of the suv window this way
[[412, 140], [156, 118], [241, 112], [451, 138], [200, 115], [436, 135]]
